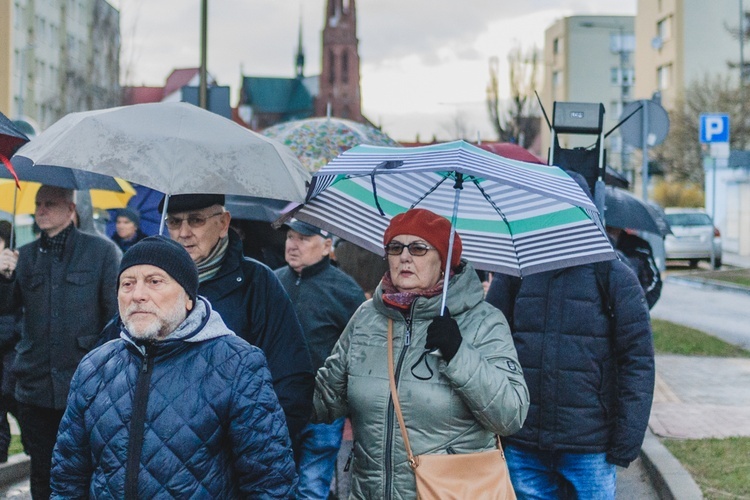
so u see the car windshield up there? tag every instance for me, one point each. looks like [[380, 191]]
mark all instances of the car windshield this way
[[696, 219]]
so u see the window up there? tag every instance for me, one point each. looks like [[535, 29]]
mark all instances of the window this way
[[664, 76], [614, 75], [556, 79], [556, 46], [664, 29], [331, 67], [345, 67], [621, 42]]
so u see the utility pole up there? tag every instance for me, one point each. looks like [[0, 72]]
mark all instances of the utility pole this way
[[203, 89]]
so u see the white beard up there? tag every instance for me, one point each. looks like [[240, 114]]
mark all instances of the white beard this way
[[160, 326]]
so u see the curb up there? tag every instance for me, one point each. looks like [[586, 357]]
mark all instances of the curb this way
[[707, 283], [671, 480], [16, 469]]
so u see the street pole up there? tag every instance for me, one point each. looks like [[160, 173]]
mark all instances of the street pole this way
[[713, 212], [623, 96], [644, 137], [203, 89]]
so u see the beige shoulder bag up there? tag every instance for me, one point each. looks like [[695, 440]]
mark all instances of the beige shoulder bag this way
[[481, 475]]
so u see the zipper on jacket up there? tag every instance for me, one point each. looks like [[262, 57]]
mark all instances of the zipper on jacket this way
[[137, 423], [391, 410], [349, 458]]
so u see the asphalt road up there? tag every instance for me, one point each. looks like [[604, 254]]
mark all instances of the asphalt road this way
[[721, 313]]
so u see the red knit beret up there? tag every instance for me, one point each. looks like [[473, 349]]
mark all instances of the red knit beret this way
[[433, 228]]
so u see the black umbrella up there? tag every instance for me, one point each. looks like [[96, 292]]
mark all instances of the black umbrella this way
[[11, 138], [623, 210], [254, 208]]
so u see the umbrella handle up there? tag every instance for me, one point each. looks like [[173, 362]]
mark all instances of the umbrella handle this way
[[164, 214], [458, 187]]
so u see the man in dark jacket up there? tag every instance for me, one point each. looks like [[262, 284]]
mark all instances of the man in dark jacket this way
[[324, 298], [584, 342], [249, 298], [179, 406], [65, 282]]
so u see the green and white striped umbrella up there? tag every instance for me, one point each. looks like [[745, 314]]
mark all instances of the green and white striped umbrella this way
[[514, 217]]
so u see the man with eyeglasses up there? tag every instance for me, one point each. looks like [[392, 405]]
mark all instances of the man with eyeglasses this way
[[324, 298], [248, 296]]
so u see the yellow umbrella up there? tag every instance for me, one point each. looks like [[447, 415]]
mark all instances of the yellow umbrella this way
[[26, 197]]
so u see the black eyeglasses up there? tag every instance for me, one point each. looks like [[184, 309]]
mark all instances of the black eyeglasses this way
[[417, 249], [192, 220]]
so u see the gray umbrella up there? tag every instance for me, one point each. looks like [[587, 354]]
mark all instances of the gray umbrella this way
[[172, 147]]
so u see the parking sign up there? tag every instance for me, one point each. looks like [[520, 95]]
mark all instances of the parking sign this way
[[714, 128]]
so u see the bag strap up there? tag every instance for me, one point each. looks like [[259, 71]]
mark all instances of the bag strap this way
[[397, 404], [394, 396]]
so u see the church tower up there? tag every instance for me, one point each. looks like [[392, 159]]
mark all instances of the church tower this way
[[339, 78]]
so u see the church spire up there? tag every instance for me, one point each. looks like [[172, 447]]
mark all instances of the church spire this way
[[300, 60]]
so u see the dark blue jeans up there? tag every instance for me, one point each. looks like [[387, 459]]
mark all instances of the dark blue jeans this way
[[319, 448], [545, 475]]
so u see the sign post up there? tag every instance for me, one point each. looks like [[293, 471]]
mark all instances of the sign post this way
[[714, 131]]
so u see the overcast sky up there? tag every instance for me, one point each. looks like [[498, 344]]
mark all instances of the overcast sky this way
[[424, 63]]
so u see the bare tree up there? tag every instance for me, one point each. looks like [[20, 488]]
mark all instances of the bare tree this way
[[681, 156], [516, 120]]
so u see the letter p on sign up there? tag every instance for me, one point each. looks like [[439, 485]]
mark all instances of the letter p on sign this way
[[714, 128]]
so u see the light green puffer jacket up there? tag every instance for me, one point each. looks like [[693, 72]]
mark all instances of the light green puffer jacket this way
[[458, 409]]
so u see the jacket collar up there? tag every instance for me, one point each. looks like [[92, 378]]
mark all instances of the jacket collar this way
[[314, 269]]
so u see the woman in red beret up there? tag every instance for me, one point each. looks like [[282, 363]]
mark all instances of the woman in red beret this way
[[455, 402]]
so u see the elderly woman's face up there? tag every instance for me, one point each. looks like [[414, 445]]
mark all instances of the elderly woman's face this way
[[411, 273]]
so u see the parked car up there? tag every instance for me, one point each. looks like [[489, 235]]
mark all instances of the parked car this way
[[694, 237]]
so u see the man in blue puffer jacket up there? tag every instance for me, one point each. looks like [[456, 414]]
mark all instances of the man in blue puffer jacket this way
[[178, 406]]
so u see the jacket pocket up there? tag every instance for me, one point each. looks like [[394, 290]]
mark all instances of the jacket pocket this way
[[80, 278]]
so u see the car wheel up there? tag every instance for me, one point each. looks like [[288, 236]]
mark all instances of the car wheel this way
[[717, 263], [693, 263]]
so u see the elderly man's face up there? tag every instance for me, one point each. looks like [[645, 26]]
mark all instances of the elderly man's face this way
[[199, 230], [302, 251], [152, 304], [54, 210]]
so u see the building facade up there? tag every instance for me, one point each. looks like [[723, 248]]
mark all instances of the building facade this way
[[682, 41], [590, 59], [58, 57]]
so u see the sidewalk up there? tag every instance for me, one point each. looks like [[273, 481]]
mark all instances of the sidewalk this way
[[695, 397]]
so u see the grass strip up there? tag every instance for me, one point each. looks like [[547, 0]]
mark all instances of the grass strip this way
[[670, 338], [721, 467]]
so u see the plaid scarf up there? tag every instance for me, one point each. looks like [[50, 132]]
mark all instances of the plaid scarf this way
[[208, 267], [56, 244], [403, 300]]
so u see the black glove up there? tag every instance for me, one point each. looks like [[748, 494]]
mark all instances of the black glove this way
[[443, 334]]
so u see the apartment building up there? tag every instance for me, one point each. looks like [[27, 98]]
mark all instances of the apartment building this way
[[681, 41], [590, 59], [56, 57]]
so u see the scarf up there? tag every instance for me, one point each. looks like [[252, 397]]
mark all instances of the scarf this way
[[208, 267], [56, 244], [403, 300]]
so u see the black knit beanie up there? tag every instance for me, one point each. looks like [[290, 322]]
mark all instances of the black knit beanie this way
[[166, 254]]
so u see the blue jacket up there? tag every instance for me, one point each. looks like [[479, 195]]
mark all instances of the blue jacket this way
[[325, 298], [591, 388], [193, 416]]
